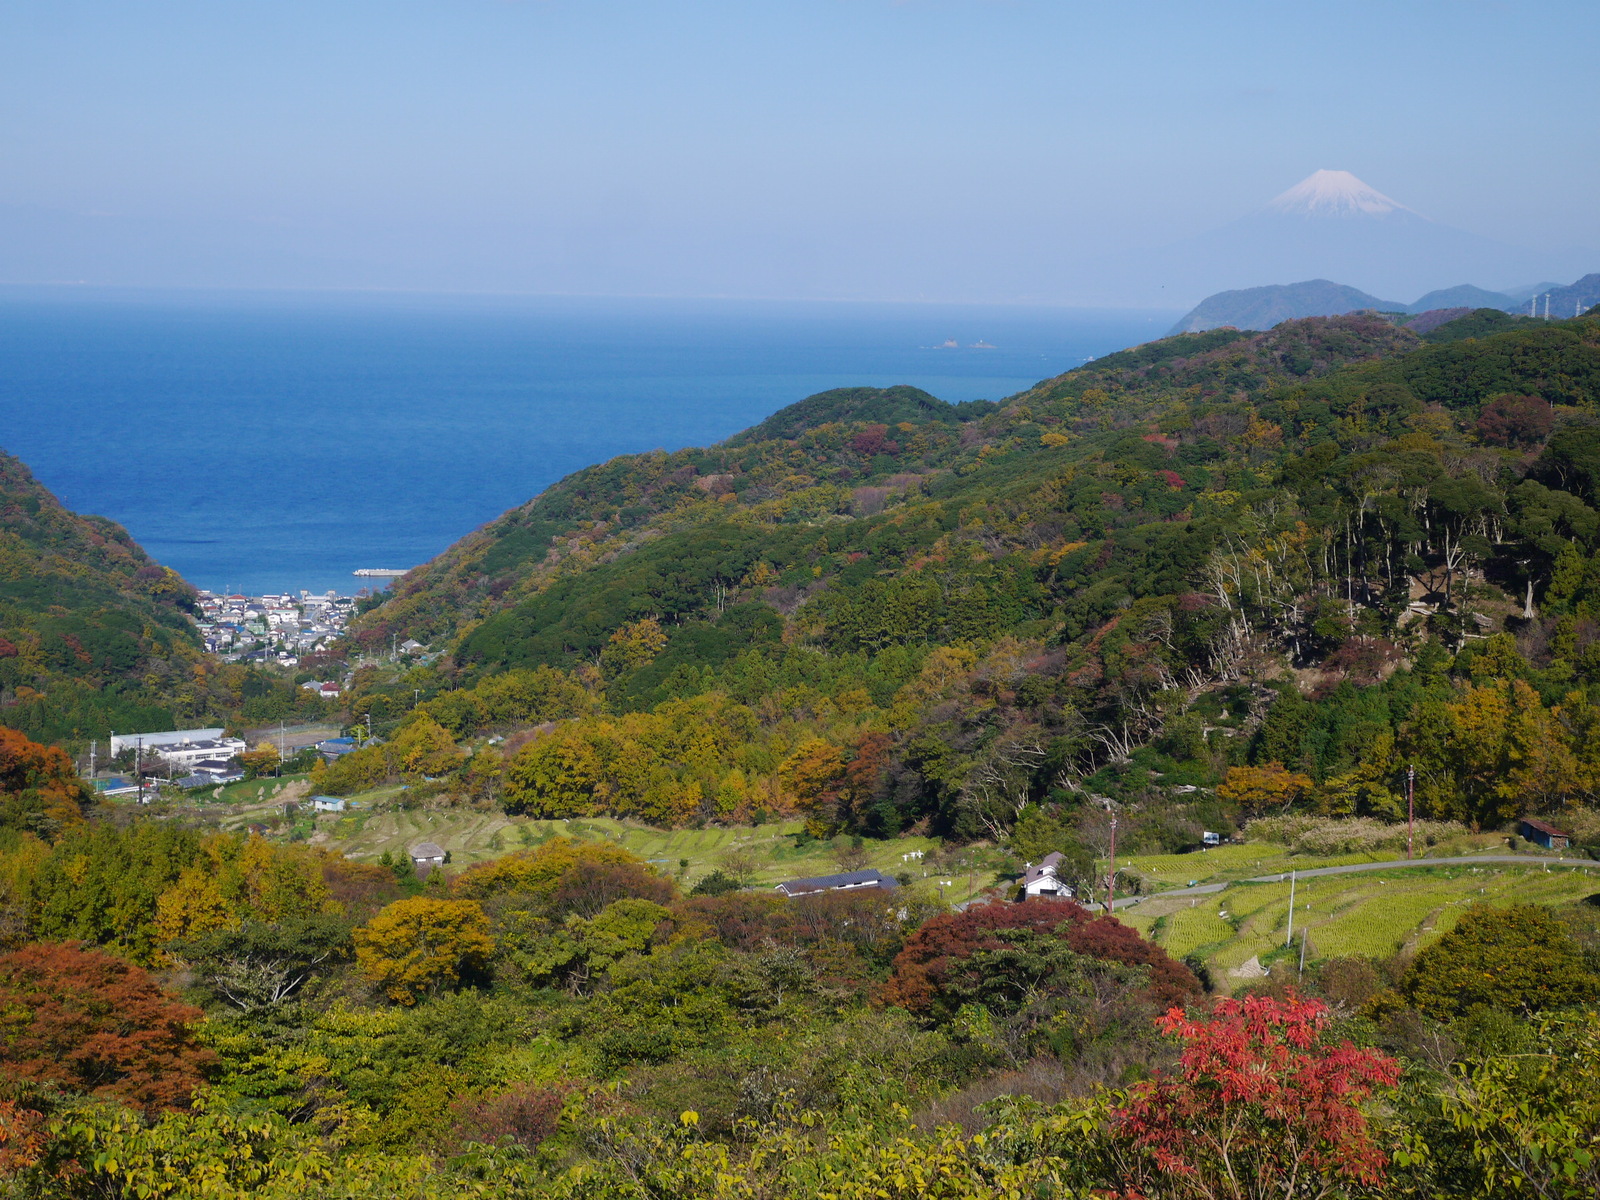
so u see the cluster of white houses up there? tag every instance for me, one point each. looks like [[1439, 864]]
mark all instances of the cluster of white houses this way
[[279, 627]]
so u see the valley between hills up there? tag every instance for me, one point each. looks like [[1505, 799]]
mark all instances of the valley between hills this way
[[1156, 635]]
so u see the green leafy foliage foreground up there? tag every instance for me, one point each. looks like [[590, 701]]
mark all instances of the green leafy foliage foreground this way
[[562, 1022]]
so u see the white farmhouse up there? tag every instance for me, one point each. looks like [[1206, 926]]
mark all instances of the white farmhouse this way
[[1042, 881]]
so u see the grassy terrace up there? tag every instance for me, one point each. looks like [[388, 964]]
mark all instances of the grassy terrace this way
[[1373, 914], [774, 851], [1159, 872]]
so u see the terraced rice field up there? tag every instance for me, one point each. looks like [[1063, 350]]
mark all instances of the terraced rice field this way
[[472, 836], [1230, 862], [1371, 914]]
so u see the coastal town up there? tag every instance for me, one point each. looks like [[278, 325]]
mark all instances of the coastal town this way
[[272, 628]]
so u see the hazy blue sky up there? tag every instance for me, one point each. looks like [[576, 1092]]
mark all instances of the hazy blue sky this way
[[861, 148]]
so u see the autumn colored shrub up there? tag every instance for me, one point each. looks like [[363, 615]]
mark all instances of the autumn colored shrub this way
[[1263, 1105], [82, 1019], [22, 1137], [527, 1114], [939, 949]]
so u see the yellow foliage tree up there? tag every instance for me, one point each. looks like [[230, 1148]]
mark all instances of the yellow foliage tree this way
[[421, 945], [1261, 790], [555, 776], [193, 905], [633, 646], [425, 748], [1509, 752], [541, 870], [263, 760], [276, 883], [813, 774]]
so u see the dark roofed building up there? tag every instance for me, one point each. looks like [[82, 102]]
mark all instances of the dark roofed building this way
[[847, 882], [1543, 834]]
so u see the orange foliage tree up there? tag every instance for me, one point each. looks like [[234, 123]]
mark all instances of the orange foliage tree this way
[[85, 1020], [1261, 790], [39, 787]]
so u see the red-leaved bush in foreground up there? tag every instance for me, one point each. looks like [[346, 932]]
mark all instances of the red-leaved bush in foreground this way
[[1262, 1105]]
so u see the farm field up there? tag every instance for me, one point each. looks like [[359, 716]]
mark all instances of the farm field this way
[[1158, 872], [1372, 914], [377, 825]]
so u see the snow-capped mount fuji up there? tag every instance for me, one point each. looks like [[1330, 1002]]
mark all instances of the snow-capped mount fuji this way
[[1334, 225], [1334, 194]]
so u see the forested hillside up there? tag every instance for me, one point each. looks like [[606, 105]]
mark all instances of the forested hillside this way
[[1326, 551], [95, 635], [1219, 579]]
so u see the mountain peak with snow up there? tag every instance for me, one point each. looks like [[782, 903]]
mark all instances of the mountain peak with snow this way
[[1334, 194]]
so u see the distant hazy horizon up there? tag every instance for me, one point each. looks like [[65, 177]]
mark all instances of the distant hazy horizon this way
[[272, 442], [956, 151]]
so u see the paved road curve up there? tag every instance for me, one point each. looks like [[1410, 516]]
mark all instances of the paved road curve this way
[[1469, 860]]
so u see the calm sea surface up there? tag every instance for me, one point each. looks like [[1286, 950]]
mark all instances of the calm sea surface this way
[[264, 443]]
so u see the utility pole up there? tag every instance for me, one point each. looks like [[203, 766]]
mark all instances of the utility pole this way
[[1288, 938], [1411, 807], [1111, 874], [93, 745]]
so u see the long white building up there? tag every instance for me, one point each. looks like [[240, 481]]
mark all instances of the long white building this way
[[159, 741]]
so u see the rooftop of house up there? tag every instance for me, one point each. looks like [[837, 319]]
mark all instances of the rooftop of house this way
[[1544, 827], [871, 877], [426, 850], [1045, 867]]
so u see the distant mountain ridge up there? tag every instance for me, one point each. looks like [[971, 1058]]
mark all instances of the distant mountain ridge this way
[[1332, 225], [1265, 307]]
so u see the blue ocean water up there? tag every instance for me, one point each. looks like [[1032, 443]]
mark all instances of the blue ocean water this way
[[270, 442]]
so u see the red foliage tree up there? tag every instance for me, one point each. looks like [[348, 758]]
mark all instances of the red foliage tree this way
[[22, 1137], [741, 920], [1516, 420], [362, 888], [93, 1023], [1263, 1106], [934, 952], [38, 782], [588, 889], [527, 1114], [874, 440]]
